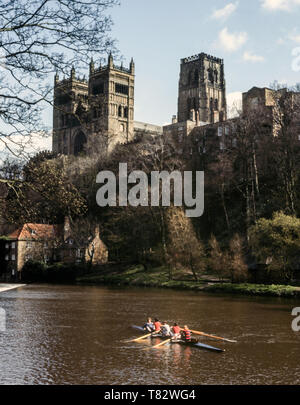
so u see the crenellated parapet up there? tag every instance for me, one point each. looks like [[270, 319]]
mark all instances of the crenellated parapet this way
[[201, 57]]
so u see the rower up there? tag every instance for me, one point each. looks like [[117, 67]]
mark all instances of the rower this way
[[165, 329], [157, 325], [149, 326], [186, 334], [176, 331]]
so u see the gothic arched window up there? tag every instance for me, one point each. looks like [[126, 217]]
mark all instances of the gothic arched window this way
[[188, 108], [79, 142], [120, 111], [194, 104], [126, 112], [196, 76], [216, 75], [190, 77]]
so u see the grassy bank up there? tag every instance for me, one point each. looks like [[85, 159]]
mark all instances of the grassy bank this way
[[137, 276], [256, 289]]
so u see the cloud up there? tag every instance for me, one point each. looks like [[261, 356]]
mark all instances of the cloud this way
[[285, 5], [251, 57], [234, 103], [295, 38], [280, 41], [225, 12], [231, 42]]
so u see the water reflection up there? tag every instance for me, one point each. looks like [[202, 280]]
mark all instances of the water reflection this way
[[79, 335]]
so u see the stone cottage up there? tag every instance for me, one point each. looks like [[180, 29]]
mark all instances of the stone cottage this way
[[50, 244]]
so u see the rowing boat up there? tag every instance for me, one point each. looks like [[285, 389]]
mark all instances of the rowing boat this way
[[193, 343]]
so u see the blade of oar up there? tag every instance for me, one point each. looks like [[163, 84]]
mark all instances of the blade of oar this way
[[138, 328], [161, 344], [213, 336], [141, 338]]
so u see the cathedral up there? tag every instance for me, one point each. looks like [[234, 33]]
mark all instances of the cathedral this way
[[101, 108]]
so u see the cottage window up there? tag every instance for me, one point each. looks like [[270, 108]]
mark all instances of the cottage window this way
[[13, 245], [79, 253], [6, 245], [220, 131], [13, 257], [6, 257], [28, 244]]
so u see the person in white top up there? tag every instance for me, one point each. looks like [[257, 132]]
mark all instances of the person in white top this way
[[165, 329]]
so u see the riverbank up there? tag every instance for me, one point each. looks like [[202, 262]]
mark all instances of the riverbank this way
[[158, 278], [7, 287]]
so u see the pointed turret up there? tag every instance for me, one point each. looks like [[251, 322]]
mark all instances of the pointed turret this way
[[73, 73], [110, 61], [132, 66], [92, 66]]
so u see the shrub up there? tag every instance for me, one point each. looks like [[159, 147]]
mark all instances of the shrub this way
[[276, 242], [34, 271]]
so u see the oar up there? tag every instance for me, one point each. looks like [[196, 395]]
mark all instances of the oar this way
[[140, 338], [212, 336], [162, 343]]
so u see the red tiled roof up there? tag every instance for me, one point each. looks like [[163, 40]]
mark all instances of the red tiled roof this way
[[35, 232]]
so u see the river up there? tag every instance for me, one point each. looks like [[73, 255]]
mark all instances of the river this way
[[79, 335]]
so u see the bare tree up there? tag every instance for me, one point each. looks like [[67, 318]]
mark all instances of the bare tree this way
[[286, 113], [184, 248], [219, 260], [238, 267], [38, 38]]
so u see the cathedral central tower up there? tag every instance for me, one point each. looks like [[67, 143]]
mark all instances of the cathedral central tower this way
[[202, 89]]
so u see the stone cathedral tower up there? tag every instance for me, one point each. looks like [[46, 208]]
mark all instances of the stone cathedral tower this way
[[202, 90], [102, 107]]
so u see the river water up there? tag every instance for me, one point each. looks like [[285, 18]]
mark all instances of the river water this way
[[79, 335]]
